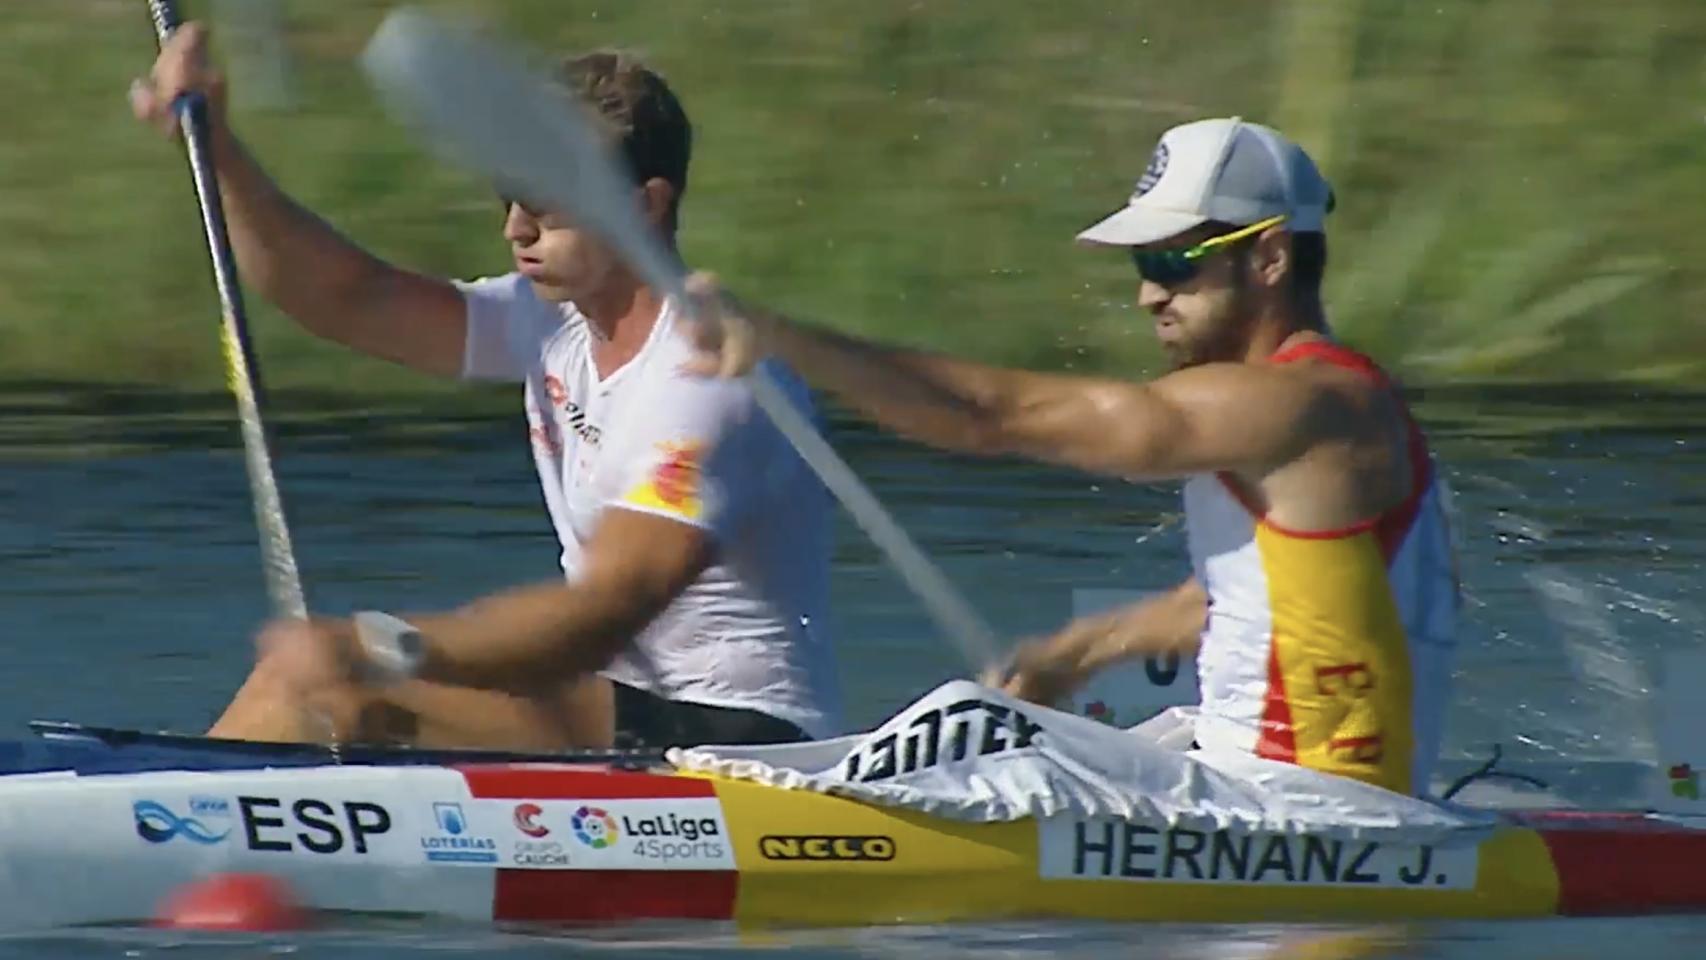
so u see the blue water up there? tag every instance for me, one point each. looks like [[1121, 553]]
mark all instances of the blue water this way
[[132, 588]]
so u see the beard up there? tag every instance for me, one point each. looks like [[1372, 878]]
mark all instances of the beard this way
[[1221, 341], [1179, 355], [1225, 336]]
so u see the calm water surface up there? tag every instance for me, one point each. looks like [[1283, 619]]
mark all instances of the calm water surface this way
[[131, 590]]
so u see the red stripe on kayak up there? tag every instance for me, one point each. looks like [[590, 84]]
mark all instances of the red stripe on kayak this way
[[545, 782], [1625, 872], [557, 896]]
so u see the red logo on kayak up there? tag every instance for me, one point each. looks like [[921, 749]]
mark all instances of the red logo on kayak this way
[[527, 820]]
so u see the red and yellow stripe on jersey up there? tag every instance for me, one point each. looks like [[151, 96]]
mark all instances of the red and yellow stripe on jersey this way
[[1329, 649]]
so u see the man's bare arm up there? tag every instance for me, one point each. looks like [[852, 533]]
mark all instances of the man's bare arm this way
[[1212, 417], [294, 259], [539, 635], [1049, 669], [332, 287]]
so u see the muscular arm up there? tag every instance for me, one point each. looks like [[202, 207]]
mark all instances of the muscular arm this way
[[637, 563], [332, 287], [687, 434], [1212, 417], [1169, 622]]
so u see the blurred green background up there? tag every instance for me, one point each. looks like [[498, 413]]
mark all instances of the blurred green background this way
[[1522, 183]]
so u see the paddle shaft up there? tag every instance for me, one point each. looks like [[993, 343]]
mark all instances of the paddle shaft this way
[[953, 615], [284, 584], [663, 271]]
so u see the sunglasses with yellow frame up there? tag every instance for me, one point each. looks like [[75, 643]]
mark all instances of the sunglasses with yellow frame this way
[[1170, 267]]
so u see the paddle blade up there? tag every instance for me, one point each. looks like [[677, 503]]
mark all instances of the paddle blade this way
[[482, 107], [259, 58]]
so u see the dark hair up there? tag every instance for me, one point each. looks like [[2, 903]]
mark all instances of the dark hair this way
[[643, 117], [1308, 264]]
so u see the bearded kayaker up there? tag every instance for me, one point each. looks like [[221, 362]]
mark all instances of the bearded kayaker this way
[[1323, 603], [695, 542]]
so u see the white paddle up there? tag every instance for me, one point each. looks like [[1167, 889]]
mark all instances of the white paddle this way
[[253, 32], [478, 103]]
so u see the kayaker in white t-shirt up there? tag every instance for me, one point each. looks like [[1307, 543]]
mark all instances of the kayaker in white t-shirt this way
[[694, 540]]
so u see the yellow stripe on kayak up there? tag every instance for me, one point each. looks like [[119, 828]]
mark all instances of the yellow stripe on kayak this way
[[810, 859]]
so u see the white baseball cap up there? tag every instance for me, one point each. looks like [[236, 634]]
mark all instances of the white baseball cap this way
[[1223, 169]]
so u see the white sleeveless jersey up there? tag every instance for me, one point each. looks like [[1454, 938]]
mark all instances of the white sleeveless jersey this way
[[751, 631], [1330, 649]]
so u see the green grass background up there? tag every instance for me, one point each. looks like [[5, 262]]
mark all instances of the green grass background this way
[[1522, 183]]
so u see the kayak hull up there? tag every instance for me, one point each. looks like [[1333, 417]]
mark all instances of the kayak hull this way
[[571, 843], [950, 871]]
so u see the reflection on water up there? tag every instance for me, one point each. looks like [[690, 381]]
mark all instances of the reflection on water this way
[[132, 585]]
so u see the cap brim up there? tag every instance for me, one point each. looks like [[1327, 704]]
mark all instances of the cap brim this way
[[1135, 225]]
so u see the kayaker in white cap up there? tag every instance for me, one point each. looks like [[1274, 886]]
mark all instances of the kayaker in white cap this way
[[1323, 600]]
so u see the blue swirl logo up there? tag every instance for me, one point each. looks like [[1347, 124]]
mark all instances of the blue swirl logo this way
[[157, 824]]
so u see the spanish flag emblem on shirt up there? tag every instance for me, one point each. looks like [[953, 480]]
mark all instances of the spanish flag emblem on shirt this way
[[672, 486]]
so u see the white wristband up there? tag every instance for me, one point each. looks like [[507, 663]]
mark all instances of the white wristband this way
[[391, 645]]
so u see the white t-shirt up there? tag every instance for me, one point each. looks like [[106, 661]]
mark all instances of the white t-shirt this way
[[751, 631]]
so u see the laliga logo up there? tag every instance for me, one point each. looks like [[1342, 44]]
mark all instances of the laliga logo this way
[[594, 827], [527, 820]]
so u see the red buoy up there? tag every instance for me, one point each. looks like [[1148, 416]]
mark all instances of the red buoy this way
[[249, 902]]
